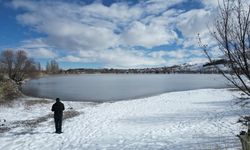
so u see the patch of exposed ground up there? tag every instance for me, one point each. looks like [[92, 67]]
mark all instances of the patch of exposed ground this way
[[33, 123]]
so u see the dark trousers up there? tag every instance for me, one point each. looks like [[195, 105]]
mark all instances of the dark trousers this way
[[58, 124]]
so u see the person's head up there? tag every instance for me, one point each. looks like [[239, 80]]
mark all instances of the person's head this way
[[57, 99]]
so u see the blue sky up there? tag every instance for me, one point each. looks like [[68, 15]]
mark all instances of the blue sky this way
[[108, 33]]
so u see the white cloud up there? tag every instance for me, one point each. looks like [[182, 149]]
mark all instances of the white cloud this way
[[198, 53], [71, 58], [148, 35], [173, 54], [37, 48], [107, 34], [194, 21], [117, 57], [179, 56], [42, 53], [95, 26], [196, 60], [128, 58], [158, 54], [24, 4], [170, 53], [67, 31], [131, 58], [158, 6], [34, 43], [117, 12], [211, 3]]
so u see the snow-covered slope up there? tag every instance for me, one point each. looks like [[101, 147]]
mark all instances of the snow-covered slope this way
[[197, 68], [199, 119]]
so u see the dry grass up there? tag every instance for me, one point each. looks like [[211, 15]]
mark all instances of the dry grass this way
[[35, 102], [6, 103]]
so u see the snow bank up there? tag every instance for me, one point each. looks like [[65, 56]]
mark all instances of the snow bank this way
[[198, 119]]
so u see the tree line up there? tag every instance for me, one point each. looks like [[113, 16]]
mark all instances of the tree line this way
[[18, 66]]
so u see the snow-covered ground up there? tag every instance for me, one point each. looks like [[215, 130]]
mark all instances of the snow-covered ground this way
[[198, 119]]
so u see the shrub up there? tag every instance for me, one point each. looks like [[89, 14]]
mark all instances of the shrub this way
[[9, 90], [1, 77]]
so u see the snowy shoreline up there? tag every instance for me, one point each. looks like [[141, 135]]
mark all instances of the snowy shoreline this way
[[197, 119]]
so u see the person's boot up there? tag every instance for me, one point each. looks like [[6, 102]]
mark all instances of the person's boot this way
[[60, 132]]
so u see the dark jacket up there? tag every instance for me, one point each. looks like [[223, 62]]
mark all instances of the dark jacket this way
[[58, 109]]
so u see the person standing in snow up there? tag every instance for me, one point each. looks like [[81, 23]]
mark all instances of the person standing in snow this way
[[58, 108]]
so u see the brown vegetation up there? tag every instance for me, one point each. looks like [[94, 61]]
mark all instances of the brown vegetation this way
[[52, 67], [8, 91], [29, 103], [17, 65]]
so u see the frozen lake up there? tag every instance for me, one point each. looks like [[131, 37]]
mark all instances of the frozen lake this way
[[114, 87]]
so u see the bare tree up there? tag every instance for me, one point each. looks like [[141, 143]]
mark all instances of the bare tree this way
[[17, 65], [232, 34], [39, 66], [7, 59], [52, 67]]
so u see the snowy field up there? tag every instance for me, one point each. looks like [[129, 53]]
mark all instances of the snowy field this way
[[198, 119]]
